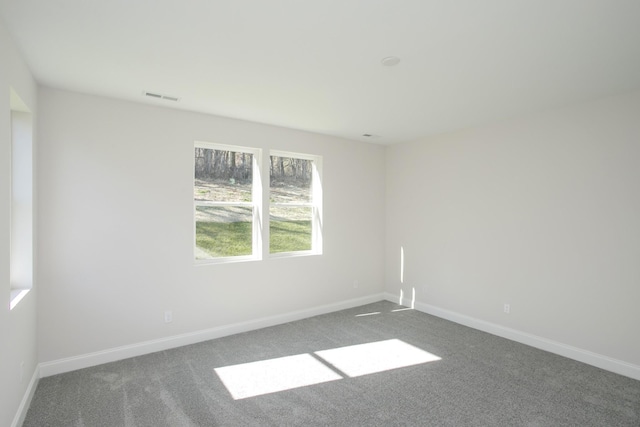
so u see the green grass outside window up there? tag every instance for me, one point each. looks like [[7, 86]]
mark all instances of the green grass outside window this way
[[220, 239]]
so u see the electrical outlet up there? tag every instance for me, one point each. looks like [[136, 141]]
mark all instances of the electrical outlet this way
[[168, 316], [507, 308]]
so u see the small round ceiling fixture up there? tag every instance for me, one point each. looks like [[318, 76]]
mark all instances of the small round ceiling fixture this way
[[390, 61]]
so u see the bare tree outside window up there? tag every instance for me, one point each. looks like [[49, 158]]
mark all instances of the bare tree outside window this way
[[291, 208], [223, 199], [229, 198]]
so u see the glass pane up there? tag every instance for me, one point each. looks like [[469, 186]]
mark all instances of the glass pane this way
[[290, 229], [222, 176], [223, 231], [290, 179]]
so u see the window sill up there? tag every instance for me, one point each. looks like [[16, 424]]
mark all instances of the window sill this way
[[293, 254], [226, 260], [233, 260]]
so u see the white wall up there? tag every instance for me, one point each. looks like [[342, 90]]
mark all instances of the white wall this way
[[116, 227], [541, 213], [18, 326]]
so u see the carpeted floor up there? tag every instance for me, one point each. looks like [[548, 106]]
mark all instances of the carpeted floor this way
[[467, 378]]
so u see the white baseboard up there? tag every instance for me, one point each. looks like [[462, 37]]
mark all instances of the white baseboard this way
[[111, 355], [26, 399], [584, 356]]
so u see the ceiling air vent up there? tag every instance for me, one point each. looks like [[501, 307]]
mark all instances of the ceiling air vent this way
[[160, 96]]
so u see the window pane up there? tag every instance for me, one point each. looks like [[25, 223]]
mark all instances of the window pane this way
[[223, 231], [290, 229], [290, 180], [222, 176]]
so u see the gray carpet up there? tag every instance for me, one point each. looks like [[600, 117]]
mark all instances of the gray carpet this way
[[481, 380]]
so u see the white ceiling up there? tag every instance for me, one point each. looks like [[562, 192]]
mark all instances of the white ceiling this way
[[315, 65]]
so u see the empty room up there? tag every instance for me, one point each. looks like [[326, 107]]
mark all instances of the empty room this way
[[320, 213]]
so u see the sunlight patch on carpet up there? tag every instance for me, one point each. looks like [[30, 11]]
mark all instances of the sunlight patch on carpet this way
[[269, 376], [364, 359], [286, 373], [373, 313]]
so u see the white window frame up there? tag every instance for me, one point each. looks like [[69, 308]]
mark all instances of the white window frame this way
[[315, 205], [255, 203]]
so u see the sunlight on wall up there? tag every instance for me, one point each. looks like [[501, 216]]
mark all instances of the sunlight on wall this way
[[412, 303], [413, 290], [401, 264], [286, 373]]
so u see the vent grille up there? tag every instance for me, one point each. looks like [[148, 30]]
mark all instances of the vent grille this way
[[161, 96]]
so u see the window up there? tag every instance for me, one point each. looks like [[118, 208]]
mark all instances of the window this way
[[227, 202], [21, 255], [295, 204]]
